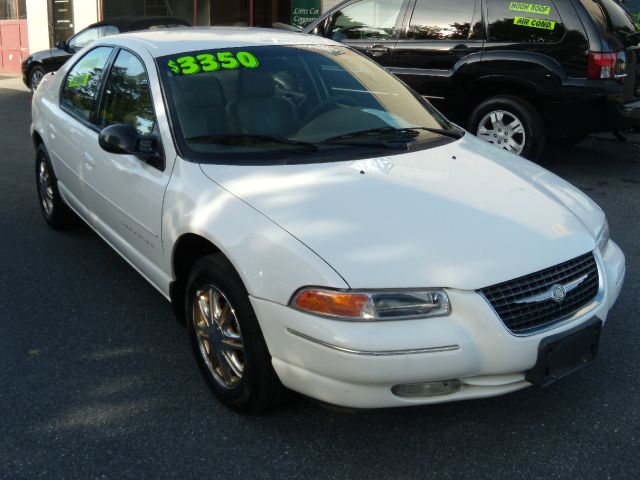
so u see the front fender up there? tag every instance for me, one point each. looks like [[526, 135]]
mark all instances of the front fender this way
[[271, 262]]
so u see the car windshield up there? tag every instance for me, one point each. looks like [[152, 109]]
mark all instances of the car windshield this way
[[235, 104]]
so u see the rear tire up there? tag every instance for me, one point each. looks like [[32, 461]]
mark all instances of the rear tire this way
[[510, 123], [228, 345], [55, 212]]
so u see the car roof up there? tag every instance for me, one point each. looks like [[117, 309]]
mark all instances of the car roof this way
[[177, 40], [127, 24]]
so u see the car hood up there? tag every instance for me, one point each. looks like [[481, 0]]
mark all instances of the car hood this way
[[45, 54], [465, 215]]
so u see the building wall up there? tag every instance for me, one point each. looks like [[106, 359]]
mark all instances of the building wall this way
[[327, 4], [85, 12], [38, 18]]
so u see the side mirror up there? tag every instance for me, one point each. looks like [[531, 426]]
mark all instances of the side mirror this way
[[123, 139], [62, 45]]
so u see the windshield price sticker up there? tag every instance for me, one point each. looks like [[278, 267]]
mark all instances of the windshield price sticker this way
[[212, 62], [535, 23], [530, 8]]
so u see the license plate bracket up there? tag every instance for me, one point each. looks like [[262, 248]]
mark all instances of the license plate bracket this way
[[564, 353]]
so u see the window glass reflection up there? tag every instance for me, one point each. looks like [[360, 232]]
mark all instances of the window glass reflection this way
[[442, 20], [127, 98], [81, 85], [368, 19]]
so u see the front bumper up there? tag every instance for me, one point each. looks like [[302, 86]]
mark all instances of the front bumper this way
[[356, 364]]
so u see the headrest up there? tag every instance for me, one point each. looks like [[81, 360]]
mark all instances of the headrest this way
[[201, 91], [257, 84]]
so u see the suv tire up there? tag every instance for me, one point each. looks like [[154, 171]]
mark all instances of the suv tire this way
[[489, 119]]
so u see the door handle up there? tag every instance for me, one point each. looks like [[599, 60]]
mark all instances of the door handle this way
[[377, 50], [460, 48], [88, 160]]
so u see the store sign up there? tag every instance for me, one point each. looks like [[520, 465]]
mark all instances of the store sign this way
[[304, 12]]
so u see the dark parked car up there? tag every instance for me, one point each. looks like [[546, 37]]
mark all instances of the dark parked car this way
[[515, 73], [35, 66]]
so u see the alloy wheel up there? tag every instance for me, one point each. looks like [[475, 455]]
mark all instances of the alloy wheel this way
[[219, 338], [45, 188], [504, 130], [36, 78]]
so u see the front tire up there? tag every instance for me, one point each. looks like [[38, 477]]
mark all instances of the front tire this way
[[510, 123], [55, 212], [227, 340], [35, 77]]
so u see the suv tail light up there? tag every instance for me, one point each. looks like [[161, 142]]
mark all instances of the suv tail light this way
[[605, 66]]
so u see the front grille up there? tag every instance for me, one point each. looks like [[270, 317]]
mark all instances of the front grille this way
[[524, 317]]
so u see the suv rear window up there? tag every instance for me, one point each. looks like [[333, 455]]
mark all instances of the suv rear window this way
[[532, 21], [613, 21]]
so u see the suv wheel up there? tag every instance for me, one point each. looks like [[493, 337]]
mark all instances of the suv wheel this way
[[510, 123], [226, 338], [35, 77]]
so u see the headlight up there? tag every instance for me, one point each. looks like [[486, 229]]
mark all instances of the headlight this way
[[374, 305], [603, 237]]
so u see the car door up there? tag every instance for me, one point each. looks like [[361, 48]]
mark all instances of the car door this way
[[127, 191], [71, 121], [438, 36], [369, 26]]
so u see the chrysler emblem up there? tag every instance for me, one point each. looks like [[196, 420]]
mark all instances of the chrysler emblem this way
[[558, 293]]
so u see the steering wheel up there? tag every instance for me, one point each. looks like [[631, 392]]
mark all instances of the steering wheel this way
[[325, 106]]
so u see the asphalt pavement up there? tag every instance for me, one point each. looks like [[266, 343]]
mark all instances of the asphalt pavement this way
[[97, 378]]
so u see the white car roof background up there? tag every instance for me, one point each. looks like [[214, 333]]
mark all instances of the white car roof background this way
[[177, 40]]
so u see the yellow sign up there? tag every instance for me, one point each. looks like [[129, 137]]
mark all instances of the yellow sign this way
[[530, 8], [534, 23]]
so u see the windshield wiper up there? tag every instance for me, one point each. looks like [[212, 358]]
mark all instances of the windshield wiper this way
[[389, 136], [455, 133], [248, 140]]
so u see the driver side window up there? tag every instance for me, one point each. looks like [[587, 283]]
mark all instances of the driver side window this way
[[89, 35], [366, 19], [127, 96]]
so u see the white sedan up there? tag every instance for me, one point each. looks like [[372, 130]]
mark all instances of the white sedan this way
[[317, 225]]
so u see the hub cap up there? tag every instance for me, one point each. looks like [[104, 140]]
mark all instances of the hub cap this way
[[45, 188], [504, 130], [219, 338], [36, 78]]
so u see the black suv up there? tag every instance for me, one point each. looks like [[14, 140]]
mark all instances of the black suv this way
[[515, 73]]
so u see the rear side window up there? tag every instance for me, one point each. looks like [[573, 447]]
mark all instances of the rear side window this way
[[524, 22], [596, 12], [613, 22], [610, 16], [81, 85], [367, 19], [127, 97], [442, 20]]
